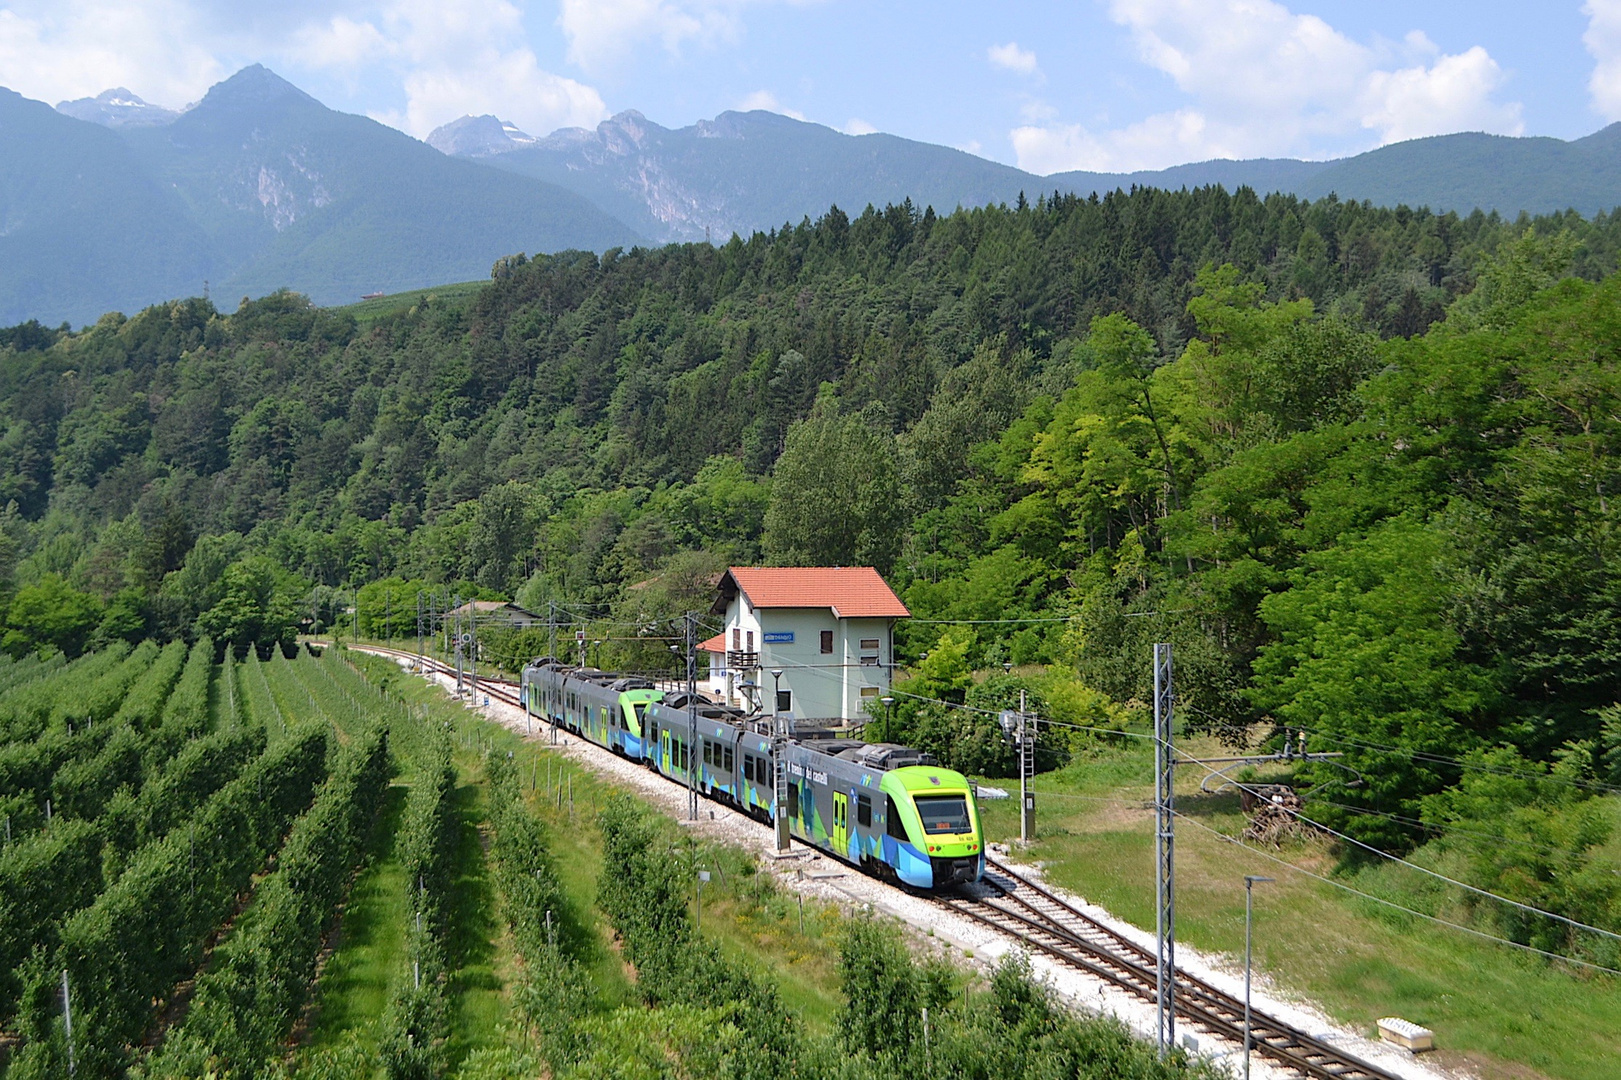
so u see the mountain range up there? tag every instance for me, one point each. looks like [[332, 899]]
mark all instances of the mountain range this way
[[112, 203], [746, 171], [256, 187]]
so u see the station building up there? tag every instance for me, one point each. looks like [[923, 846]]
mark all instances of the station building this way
[[829, 630]]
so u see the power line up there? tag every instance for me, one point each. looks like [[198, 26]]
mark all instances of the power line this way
[[992, 622], [1439, 831], [1439, 759], [1391, 903], [1529, 909]]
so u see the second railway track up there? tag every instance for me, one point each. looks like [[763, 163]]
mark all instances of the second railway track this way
[[1012, 904]]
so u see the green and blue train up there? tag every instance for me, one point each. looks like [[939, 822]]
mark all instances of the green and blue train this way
[[890, 810]]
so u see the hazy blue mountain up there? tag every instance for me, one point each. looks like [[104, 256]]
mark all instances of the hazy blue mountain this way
[[336, 205], [751, 170], [1262, 174], [479, 136], [746, 171], [256, 187], [1495, 172], [1446, 172], [117, 108], [83, 227], [112, 203]]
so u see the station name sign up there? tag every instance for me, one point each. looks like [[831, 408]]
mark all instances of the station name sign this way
[[778, 637]]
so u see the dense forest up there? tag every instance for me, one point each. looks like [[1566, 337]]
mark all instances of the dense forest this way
[[1358, 464]]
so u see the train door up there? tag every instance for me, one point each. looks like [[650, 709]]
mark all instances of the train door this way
[[664, 752], [841, 822]]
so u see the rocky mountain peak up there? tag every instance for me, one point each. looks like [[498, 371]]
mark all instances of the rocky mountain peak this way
[[479, 136], [117, 108]]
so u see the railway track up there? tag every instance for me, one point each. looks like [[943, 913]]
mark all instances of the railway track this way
[[498, 689], [1012, 904]]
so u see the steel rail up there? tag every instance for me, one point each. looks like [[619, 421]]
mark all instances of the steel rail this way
[[502, 690], [1049, 924]]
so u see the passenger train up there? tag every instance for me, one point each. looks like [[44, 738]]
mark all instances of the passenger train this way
[[890, 810]]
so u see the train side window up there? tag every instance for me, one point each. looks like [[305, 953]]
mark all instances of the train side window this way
[[727, 760], [709, 758], [793, 800], [864, 811], [892, 823], [748, 768]]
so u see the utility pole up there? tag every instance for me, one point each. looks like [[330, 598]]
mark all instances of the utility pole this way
[[692, 716], [419, 628], [1249, 921], [456, 616], [1164, 852], [551, 630], [779, 754], [357, 616], [472, 650], [1027, 770]]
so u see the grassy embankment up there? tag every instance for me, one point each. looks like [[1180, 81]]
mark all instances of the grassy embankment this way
[[1500, 1011], [369, 311]]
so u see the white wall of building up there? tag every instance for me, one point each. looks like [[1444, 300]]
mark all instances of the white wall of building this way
[[834, 684]]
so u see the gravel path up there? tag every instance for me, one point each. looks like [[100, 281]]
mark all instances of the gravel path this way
[[807, 871]]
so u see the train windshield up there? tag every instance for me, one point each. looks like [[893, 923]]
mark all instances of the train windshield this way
[[943, 813]]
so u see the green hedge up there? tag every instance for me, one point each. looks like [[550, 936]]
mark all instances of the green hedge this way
[[42, 879], [147, 931], [248, 999]]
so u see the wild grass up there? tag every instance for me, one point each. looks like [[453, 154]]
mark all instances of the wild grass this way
[[1492, 1007]]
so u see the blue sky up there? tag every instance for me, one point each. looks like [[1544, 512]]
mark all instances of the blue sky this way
[[1099, 84]]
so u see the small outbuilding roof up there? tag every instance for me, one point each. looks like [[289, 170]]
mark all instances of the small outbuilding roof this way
[[852, 592], [716, 644], [490, 607]]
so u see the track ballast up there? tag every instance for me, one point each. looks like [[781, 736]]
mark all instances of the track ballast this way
[[1012, 904]]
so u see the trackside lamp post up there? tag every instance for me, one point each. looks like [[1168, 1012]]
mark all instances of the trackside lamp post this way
[[779, 752], [1249, 919]]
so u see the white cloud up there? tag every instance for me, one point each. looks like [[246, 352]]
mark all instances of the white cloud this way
[[340, 42], [449, 59], [1265, 81], [510, 85], [857, 126], [438, 58], [1013, 58], [77, 48], [1453, 94], [1603, 41], [601, 32], [765, 99]]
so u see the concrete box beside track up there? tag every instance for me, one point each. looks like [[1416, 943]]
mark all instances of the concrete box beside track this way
[[1405, 1033]]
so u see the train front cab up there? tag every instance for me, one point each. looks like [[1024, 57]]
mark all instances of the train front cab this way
[[932, 833], [631, 738]]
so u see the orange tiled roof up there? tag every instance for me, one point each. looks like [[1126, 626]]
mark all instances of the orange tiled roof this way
[[853, 592], [714, 644]]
